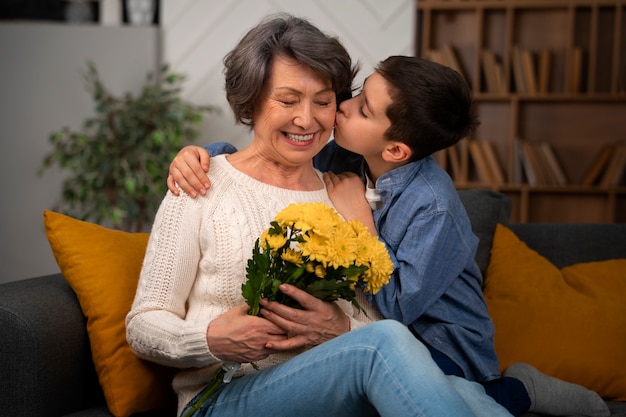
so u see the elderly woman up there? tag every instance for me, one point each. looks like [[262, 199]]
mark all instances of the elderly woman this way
[[283, 80]]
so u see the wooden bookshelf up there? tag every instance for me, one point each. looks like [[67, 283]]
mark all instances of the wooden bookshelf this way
[[548, 72]]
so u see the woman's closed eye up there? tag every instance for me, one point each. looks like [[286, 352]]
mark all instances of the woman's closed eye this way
[[324, 103]]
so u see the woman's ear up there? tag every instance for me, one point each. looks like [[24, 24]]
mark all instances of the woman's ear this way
[[396, 152]]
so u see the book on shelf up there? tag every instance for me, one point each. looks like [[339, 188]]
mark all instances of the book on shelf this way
[[488, 169], [436, 55], [544, 70], [621, 79], [450, 160], [464, 158], [528, 69], [530, 164], [598, 167], [447, 56], [493, 72], [495, 168], [576, 70], [527, 170], [616, 167], [442, 158], [452, 59], [518, 70], [554, 169], [540, 164], [455, 163], [525, 72], [518, 168], [480, 163], [531, 72]]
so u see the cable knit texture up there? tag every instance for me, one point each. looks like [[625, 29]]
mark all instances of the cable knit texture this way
[[194, 267]]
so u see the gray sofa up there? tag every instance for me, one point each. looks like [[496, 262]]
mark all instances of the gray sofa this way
[[45, 361]]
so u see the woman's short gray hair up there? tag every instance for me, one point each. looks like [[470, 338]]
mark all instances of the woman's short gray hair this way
[[248, 65]]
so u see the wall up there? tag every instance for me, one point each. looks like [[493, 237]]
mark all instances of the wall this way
[[42, 91]]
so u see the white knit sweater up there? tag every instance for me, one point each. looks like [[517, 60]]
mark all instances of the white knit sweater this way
[[194, 266]]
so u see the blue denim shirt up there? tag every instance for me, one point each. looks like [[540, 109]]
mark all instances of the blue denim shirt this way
[[436, 287]]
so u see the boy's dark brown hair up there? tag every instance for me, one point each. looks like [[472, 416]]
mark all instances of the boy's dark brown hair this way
[[432, 107]]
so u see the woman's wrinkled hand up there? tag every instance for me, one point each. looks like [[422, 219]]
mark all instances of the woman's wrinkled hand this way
[[317, 322], [236, 336]]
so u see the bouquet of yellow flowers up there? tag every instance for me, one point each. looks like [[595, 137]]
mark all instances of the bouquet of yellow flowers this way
[[310, 246]]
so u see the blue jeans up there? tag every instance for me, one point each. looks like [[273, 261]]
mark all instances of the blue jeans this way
[[377, 370], [508, 392]]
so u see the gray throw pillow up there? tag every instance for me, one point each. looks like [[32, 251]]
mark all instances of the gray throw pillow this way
[[485, 209]]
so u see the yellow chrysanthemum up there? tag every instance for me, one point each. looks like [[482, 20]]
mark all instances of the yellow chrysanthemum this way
[[364, 242], [342, 246], [321, 220], [272, 242], [359, 228], [320, 271], [292, 256], [380, 270], [305, 217], [315, 247]]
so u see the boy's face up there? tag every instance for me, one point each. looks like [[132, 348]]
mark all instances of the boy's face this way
[[362, 121]]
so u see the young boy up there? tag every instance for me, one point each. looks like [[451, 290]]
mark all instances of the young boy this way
[[408, 109]]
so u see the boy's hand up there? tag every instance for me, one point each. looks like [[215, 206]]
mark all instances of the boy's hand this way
[[188, 169], [347, 192]]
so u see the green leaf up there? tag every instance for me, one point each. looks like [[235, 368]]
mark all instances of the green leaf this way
[[130, 185]]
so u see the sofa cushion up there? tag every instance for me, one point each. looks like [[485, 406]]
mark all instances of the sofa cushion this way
[[566, 322], [102, 266]]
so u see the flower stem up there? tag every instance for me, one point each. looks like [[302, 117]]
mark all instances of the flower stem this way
[[206, 393]]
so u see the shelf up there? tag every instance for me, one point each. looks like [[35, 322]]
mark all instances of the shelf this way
[[544, 189], [506, 4], [571, 204], [550, 73], [552, 97]]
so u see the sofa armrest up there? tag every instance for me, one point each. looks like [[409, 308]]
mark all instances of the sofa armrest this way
[[45, 360]]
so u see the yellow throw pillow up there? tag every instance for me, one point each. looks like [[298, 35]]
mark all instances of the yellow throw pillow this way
[[102, 266], [568, 323]]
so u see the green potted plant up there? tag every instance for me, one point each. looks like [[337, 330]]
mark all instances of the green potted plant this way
[[118, 162]]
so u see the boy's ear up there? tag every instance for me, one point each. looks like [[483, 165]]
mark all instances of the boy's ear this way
[[396, 152]]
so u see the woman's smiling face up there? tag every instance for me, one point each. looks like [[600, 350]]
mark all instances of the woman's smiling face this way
[[296, 114]]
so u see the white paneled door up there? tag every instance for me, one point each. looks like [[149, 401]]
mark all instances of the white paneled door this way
[[198, 33]]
